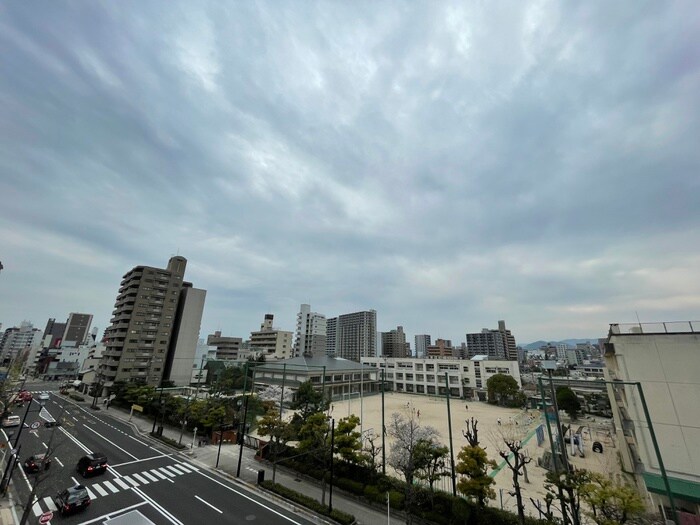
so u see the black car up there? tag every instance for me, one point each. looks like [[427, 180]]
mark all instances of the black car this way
[[92, 464], [48, 424], [72, 500], [33, 463]]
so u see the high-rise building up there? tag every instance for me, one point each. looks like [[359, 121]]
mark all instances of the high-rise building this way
[[310, 338], [664, 358], [227, 348], [394, 343], [77, 329], [270, 341], [496, 344], [442, 348], [53, 334], [18, 340], [422, 344], [352, 336], [155, 326]]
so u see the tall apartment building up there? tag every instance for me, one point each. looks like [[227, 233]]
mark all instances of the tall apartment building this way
[[18, 340], [665, 359], [394, 343], [310, 337], [227, 348], [155, 327], [270, 341], [496, 344], [53, 334], [77, 329], [352, 336], [422, 343]]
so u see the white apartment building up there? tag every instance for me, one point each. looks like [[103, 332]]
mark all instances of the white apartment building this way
[[466, 377], [665, 359], [310, 337], [422, 342]]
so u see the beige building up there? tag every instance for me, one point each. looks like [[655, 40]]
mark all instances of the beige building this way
[[155, 327], [271, 342], [227, 348], [665, 359]]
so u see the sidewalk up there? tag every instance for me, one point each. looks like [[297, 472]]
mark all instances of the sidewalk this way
[[206, 455]]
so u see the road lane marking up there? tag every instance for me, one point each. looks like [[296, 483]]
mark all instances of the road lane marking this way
[[90, 493], [50, 504], [161, 476], [131, 481], [191, 468], [159, 508], [173, 470], [110, 486], [109, 515], [45, 445], [170, 474], [209, 504], [75, 440], [75, 480], [141, 479], [140, 460], [249, 498], [178, 470], [137, 440], [36, 509], [123, 485], [99, 489], [112, 443], [149, 476]]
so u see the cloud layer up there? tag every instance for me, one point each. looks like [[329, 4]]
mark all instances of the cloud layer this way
[[446, 165]]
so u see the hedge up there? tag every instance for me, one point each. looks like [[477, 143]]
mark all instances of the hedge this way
[[310, 503], [169, 441], [76, 397]]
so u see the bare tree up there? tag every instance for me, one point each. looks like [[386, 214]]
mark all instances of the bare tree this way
[[516, 461], [371, 451], [472, 432]]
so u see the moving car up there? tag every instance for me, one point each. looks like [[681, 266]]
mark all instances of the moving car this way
[[48, 424], [24, 395], [44, 396], [92, 464], [11, 421], [72, 500], [33, 463]]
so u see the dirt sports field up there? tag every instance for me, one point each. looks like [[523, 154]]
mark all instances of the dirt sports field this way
[[432, 411]]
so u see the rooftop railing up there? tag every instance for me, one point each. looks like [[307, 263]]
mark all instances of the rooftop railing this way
[[671, 327]]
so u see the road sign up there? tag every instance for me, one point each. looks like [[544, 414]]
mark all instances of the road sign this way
[[46, 517], [138, 408], [35, 425]]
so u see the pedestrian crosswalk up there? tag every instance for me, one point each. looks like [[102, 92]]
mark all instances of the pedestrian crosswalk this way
[[112, 486]]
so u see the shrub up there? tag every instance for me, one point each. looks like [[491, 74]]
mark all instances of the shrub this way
[[310, 503], [372, 493], [356, 487], [169, 441], [76, 397]]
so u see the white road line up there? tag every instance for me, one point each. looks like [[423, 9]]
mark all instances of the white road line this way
[[132, 437], [99, 489], [50, 504], [58, 461], [45, 445], [209, 504], [75, 480], [170, 474], [140, 460], [192, 468], [178, 470], [161, 476], [149, 476], [249, 498], [36, 509], [74, 440], [111, 443], [159, 508], [90, 493], [106, 517], [110, 486], [123, 485], [75, 418], [131, 481], [141, 479], [168, 468]]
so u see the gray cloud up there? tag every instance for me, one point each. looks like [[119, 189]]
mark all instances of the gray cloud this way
[[447, 165]]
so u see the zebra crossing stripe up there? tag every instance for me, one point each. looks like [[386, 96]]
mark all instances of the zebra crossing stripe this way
[[131, 481], [50, 504], [121, 483], [173, 470], [90, 493], [178, 470], [170, 474], [36, 509], [161, 476], [99, 489], [110, 487], [188, 467], [149, 476], [141, 479]]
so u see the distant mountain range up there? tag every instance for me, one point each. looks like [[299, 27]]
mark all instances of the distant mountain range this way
[[568, 342]]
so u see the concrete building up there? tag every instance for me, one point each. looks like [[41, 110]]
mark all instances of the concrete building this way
[[441, 348], [19, 341], [155, 324], [310, 337], [352, 336], [466, 378], [77, 329], [665, 359], [53, 334], [422, 342], [226, 348], [271, 342], [394, 343], [497, 344]]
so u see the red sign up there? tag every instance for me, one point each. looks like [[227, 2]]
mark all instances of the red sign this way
[[46, 517]]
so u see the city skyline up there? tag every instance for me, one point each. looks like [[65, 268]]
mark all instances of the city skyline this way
[[445, 165]]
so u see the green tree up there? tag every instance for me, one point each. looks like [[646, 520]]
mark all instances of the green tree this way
[[432, 461], [473, 465], [280, 432], [314, 440], [501, 387], [308, 401], [348, 442], [612, 502], [568, 401]]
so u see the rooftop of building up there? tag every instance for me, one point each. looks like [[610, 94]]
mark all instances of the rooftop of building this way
[[313, 363], [669, 327]]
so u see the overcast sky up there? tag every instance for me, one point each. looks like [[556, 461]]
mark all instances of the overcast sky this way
[[446, 164]]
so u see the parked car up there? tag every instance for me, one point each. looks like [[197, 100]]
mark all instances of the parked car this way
[[72, 500], [92, 464], [49, 424], [24, 395], [44, 396], [33, 463], [11, 421]]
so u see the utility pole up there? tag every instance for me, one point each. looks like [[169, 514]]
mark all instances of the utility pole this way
[[330, 487], [383, 433], [449, 426]]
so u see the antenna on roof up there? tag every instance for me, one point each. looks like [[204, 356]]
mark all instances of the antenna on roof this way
[[638, 321]]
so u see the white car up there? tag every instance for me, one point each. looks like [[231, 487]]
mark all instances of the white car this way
[[11, 421], [44, 396]]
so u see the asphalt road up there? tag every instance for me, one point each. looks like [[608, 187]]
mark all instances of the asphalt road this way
[[143, 478]]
